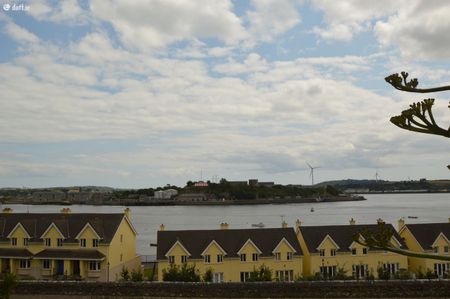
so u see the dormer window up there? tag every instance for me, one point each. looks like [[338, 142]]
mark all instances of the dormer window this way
[[446, 249], [25, 241], [365, 251], [277, 256], [14, 241], [207, 258], [82, 242], [171, 259], [353, 251], [220, 258], [59, 242], [333, 252], [254, 257], [435, 249], [322, 252], [95, 242], [48, 242], [243, 257], [289, 256], [184, 259]]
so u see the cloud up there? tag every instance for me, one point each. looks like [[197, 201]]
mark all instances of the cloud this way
[[20, 34], [148, 24], [63, 11], [415, 32], [270, 18]]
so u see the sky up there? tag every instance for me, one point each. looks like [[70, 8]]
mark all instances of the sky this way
[[144, 93]]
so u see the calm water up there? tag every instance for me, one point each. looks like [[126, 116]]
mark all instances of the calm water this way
[[390, 207]]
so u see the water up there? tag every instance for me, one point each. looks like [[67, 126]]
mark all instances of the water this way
[[389, 207]]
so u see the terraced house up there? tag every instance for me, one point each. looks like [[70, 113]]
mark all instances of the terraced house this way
[[232, 254], [431, 238], [327, 249], [65, 245]]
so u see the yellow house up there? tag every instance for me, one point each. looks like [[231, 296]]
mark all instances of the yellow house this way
[[65, 245], [232, 254], [431, 238], [328, 249]]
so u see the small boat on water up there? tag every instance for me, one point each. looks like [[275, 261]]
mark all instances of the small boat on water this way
[[260, 225]]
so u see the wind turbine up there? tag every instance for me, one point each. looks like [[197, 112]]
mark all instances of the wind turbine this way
[[311, 174]]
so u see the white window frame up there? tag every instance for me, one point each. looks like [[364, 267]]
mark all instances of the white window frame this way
[[47, 242], [278, 256], [184, 259], [289, 255], [207, 258], [333, 252], [24, 263], [255, 257], [220, 258], [321, 252], [14, 241], [94, 266], [95, 242], [171, 259], [243, 257], [83, 243], [46, 264], [218, 277]]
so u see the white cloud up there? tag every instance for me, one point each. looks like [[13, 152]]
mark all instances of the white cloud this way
[[20, 34], [58, 12], [419, 29], [271, 18], [146, 24]]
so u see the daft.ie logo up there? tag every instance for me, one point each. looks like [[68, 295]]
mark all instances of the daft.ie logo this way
[[16, 7]]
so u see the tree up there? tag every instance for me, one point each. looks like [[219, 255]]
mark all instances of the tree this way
[[419, 117], [187, 273], [263, 273], [8, 284], [380, 239]]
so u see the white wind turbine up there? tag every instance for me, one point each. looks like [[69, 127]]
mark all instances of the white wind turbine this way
[[311, 174]]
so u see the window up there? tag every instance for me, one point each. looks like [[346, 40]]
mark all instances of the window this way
[[289, 256], [95, 242], [14, 241], [121, 238], [24, 264], [365, 251], [436, 249], [277, 256], [25, 241], [322, 252], [333, 252], [328, 272], [48, 242], [360, 271], [441, 269], [218, 277], [171, 259], [59, 242], [82, 242], [46, 264], [220, 258], [391, 268], [353, 251], [243, 257], [94, 266], [245, 276], [207, 259], [254, 257], [184, 259], [284, 275], [446, 249]]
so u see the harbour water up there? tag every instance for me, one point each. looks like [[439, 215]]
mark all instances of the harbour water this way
[[426, 207]]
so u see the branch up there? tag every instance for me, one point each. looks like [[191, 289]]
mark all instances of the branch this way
[[419, 118], [402, 84]]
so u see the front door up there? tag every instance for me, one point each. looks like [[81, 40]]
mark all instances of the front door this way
[[60, 267], [5, 266], [76, 267]]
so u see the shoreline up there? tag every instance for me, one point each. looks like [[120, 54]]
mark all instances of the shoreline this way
[[273, 201]]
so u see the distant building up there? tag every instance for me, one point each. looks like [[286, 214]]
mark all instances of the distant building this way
[[200, 184], [266, 184], [165, 194], [193, 197], [237, 183], [79, 197], [253, 182], [48, 196]]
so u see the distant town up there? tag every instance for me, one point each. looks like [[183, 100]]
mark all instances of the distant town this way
[[224, 192]]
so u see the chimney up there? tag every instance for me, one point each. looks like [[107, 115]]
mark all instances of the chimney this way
[[224, 225], [65, 210], [7, 210], [401, 223], [379, 221], [284, 224], [352, 221], [127, 212], [298, 223], [162, 227]]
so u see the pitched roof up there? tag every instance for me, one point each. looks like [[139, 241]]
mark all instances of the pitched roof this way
[[70, 254], [69, 224], [341, 234], [15, 252], [426, 233], [231, 240]]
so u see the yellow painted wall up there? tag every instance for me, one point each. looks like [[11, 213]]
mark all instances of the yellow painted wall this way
[[232, 265]]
